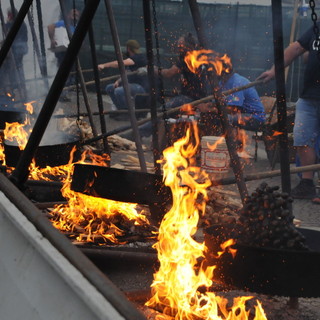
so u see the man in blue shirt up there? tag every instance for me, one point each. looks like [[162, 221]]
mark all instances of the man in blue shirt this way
[[245, 109]]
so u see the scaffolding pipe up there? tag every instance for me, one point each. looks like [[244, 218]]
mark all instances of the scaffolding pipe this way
[[281, 94], [152, 82]]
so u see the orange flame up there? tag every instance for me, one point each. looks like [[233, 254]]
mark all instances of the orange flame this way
[[176, 286], [188, 109], [29, 106], [81, 210], [16, 132], [197, 58]]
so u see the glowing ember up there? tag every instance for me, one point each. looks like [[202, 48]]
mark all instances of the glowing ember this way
[[178, 284]]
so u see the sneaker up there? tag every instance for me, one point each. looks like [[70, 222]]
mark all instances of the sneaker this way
[[304, 190]]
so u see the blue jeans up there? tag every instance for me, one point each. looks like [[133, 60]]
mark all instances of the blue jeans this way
[[306, 128], [118, 97]]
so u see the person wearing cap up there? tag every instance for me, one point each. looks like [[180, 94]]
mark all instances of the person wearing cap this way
[[138, 82]]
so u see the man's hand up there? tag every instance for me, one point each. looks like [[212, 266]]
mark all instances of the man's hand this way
[[53, 43], [101, 66], [142, 71], [117, 83], [267, 75]]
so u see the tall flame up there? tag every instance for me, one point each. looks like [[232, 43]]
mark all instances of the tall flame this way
[[177, 283]]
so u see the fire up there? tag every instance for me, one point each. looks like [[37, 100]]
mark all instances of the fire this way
[[93, 217], [19, 132], [177, 289], [188, 109], [29, 106], [16, 132], [196, 59]]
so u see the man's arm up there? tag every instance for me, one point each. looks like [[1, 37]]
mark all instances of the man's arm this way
[[293, 51], [114, 64], [51, 32]]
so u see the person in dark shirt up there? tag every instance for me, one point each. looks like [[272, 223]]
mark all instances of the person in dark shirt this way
[[138, 82], [306, 130], [247, 109], [19, 50], [191, 88]]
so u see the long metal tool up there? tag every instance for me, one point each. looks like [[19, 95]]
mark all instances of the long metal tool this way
[[20, 174], [173, 111]]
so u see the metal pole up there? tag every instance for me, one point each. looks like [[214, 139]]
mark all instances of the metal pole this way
[[231, 144], [195, 12], [37, 51], [152, 81], [20, 174], [125, 84], [281, 94], [227, 130], [79, 72], [98, 88], [42, 45]]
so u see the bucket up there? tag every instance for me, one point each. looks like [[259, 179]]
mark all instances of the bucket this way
[[217, 160]]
